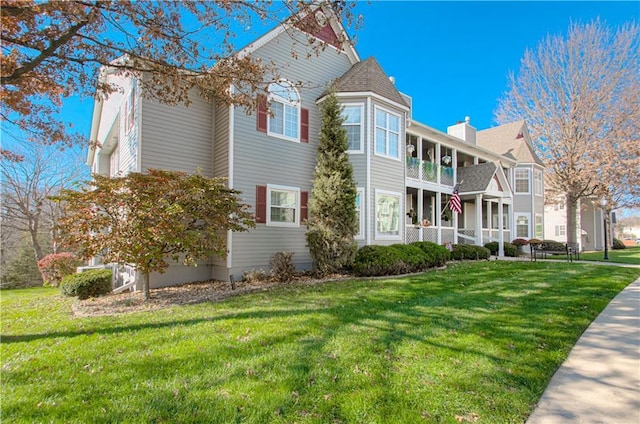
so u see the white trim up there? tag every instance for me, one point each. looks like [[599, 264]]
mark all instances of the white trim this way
[[535, 191], [285, 102], [375, 127], [230, 178], [296, 190], [361, 106], [368, 141], [361, 228], [535, 224], [368, 94], [515, 181], [400, 215], [515, 224]]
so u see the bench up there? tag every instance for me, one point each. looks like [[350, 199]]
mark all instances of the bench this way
[[571, 250]]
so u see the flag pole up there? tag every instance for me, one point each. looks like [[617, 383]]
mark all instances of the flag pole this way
[[454, 189]]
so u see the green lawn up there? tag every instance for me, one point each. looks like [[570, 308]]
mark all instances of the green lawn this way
[[475, 343], [630, 255]]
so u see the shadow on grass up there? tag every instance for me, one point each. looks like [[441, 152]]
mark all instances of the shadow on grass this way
[[484, 314]]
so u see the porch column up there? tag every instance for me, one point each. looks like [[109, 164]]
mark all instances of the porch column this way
[[454, 218], [479, 220], [500, 229], [420, 170], [420, 209], [438, 162], [454, 165], [438, 213], [489, 219]]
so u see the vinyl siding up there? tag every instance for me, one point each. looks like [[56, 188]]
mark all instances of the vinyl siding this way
[[176, 137], [260, 159], [386, 174]]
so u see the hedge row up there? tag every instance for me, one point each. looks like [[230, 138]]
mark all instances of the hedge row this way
[[415, 257]]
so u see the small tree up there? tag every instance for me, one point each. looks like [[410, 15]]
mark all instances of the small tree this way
[[332, 207], [148, 219]]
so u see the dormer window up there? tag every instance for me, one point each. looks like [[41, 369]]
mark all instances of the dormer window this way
[[284, 104]]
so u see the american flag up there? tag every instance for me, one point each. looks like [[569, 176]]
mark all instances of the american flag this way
[[455, 203]]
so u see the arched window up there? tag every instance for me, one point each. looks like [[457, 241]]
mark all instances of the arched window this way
[[284, 103]]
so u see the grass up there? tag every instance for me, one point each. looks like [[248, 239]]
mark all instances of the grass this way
[[630, 255], [477, 343]]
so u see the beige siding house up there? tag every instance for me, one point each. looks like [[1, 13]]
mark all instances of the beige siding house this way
[[406, 172]]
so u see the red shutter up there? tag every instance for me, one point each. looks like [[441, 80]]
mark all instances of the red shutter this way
[[261, 123], [261, 204], [304, 125], [304, 206]]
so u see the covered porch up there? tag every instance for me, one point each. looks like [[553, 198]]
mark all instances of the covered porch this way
[[486, 210]]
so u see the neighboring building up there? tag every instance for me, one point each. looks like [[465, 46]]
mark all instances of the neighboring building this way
[[405, 171], [589, 224], [513, 141]]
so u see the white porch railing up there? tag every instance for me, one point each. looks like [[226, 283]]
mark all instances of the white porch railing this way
[[428, 171]]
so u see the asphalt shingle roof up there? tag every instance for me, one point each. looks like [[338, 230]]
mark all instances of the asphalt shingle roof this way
[[476, 178], [368, 76], [508, 140]]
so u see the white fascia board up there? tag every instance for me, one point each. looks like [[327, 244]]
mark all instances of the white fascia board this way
[[455, 142], [361, 94]]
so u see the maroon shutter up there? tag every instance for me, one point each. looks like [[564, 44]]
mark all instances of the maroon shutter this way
[[261, 204], [304, 125], [304, 206], [261, 123]]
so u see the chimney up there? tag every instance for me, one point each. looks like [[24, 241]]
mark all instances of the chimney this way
[[463, 130]]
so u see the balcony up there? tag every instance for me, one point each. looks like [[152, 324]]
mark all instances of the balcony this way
[[429, 172]]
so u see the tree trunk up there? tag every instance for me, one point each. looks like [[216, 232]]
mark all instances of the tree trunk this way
[[37, 249], [145, 286], [572, 206]]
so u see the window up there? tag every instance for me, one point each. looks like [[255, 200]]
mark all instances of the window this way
[[283, 206], [360, 214], [561, 230], [539, 226], [388, 215], [537, 180], [522, 181], [522, 226], [284, 120], [353, 125], [387, 134], [130, 110]]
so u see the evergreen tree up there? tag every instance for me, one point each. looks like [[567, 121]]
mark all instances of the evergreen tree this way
[[332, 207]]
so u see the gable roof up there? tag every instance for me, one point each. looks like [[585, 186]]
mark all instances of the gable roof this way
[[476, 178], [510, 140], [368, 77]]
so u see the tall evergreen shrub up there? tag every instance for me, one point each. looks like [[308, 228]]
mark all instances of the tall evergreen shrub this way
[[332, 211]]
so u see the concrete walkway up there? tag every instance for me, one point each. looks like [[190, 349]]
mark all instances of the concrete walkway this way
[[600, 380]]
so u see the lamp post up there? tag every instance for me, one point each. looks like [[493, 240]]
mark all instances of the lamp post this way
[[606, 237]]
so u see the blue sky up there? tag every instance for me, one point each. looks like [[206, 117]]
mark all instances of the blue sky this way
[[452, 57]]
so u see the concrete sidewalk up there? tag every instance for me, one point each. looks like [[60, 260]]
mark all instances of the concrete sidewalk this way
[[600, 380]]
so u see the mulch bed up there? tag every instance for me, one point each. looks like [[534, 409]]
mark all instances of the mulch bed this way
[[184, 294]]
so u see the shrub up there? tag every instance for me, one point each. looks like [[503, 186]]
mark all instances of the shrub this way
[[254, 276], [437, 255], [413, 256], [469, 252], [618, 244], [553, 245], [379, 260], [56, 266], [509, 249], [281, 266], [535, 242], [84, 285], [520, 242]]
